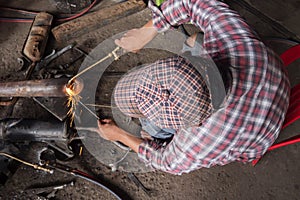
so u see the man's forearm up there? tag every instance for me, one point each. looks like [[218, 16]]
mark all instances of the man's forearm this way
[[136, 39], [131, 141]]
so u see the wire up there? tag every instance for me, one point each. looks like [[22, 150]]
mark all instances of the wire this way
[[15, 20], [25, 12], [101, 106], [79, 14], [75, 172], [26, 163], [115, 164], [93, 180], [80, 174], [281, 40], [29, 20]]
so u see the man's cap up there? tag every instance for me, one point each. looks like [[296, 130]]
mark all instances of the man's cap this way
[[170, 92]]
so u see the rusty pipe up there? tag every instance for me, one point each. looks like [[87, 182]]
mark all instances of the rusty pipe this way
[[37, 88]]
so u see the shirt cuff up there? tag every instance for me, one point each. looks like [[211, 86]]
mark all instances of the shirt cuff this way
[[158, 18], [142, 152], [147, 149]]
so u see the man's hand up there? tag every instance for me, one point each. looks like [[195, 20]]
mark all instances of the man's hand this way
[[136, 39], [110, 131]]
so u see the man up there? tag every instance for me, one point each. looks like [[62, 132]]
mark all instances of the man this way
[[256, 102]]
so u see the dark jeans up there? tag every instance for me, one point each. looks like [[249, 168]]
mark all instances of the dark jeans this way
[[155, 131]]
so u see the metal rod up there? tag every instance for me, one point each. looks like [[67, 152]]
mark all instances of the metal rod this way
[[112, 54], [90, 111]]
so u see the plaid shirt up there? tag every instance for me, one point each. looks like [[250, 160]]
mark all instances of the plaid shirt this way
[[256, 105]]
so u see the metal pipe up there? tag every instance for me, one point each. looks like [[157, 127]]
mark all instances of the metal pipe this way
[[35, 88], [32, 130]]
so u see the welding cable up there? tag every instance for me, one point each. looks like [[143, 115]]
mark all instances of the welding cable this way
[[35, 166], [29, 20], [91, 179], [80, 174], [74, 172], [79, 14], [282, 40], [16, 20], [23, 12]]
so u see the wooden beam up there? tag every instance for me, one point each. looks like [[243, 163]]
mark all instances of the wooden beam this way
[[92, 21]]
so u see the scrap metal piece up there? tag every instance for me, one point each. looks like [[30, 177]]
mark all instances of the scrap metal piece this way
[[8, 101], [48, 191], [37, 39], [139, 184], [62, 147], [55, 54]]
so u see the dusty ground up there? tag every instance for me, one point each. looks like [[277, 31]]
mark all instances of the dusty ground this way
[[275, 177]]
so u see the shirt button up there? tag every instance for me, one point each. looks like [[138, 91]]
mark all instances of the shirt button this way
[[165, 95], [173, 166]]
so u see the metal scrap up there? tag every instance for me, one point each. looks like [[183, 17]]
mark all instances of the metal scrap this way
[[48, 192]]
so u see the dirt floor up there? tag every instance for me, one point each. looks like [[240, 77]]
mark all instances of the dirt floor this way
[[275, 177]]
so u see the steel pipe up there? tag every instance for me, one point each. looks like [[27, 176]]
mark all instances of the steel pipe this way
[[35, 88]]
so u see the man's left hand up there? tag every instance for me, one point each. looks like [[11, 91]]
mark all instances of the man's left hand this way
[[109, 130]]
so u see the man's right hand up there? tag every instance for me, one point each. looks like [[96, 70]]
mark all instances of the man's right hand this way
[[136, 39]]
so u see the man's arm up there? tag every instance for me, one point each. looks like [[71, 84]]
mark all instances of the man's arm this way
[[109, 131], [174, 158]]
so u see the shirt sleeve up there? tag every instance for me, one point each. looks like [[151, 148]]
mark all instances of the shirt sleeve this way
[[224, 30]]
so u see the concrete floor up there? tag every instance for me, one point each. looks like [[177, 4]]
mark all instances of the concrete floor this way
[[277, 176]]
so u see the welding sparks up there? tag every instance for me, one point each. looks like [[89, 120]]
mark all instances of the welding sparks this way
[[73, 90], [75, 86]]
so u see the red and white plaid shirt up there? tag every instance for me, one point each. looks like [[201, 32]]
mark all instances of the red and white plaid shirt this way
[[258, 100]]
